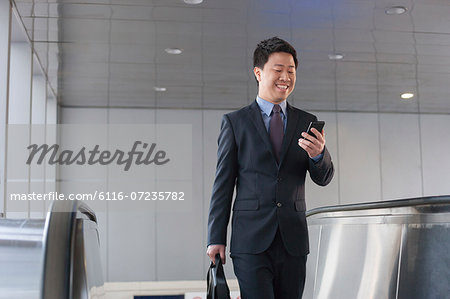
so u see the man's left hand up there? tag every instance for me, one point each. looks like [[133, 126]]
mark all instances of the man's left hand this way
[[313, 145]]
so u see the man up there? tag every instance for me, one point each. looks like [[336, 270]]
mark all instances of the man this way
[[262, 154]]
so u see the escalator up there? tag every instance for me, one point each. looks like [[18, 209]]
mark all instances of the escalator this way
[[385, 250], [53, 258], [393, 249]]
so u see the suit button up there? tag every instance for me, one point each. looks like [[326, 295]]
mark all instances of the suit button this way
[[278, 179], [279, 204]]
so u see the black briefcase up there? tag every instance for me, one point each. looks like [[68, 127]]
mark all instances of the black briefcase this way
[[217, 287]]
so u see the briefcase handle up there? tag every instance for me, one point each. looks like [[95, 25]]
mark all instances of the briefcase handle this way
[[217, 287]]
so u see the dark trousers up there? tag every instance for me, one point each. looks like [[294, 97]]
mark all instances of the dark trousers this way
[[272, 274]]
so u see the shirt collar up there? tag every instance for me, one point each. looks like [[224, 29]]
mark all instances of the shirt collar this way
[[267, 106]]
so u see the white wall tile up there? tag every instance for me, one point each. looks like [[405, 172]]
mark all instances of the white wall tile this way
[[132, 246], [19, 113], [20, 84], [132, 116], [38, 100], [359, 157], [174, 235], [435, 137], [37, 172], [52, 108], [83, 116], [400, 156]]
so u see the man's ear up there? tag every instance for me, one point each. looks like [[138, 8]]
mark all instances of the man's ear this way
[[257, 72]]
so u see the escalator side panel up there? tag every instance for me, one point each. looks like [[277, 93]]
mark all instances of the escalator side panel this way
[[425, 266], [358, 261]]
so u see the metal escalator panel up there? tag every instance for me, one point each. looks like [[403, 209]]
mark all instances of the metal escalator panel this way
[[395, 249], [425, 266], [71, 255], [87, 269], [53, 258], [20, 258]]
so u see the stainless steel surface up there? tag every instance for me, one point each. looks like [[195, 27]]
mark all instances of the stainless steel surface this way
[[87, 269], [62, 272], [396, 249], [111, 53], [20, 257], [57, 257], [88, 261]]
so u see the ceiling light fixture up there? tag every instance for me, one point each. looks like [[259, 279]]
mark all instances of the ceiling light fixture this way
[[193, 2], [174, 51], [407, 95], [156, 88], [335, 56], [395, 10]]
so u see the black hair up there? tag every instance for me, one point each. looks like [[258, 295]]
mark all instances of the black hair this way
[[269, 46]]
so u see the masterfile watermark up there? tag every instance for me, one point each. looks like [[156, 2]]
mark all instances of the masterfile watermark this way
[[115, 167], [100, 196], [95, 156]]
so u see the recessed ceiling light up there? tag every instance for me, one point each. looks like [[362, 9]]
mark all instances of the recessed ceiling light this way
[[193, 2], [174, 51], [156, 88], [395, 10], [407, 95], [335, 56]]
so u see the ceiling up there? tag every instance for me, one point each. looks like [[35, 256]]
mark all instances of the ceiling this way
[[111, 53]]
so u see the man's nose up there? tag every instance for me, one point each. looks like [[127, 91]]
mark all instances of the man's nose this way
[[284, 76]]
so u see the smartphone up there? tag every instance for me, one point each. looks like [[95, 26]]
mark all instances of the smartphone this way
[[318, 125]]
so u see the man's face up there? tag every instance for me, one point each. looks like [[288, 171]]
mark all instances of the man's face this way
[[277, 78]]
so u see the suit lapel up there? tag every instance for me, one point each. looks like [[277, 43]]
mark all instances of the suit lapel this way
[[292, 120], [255, 116]]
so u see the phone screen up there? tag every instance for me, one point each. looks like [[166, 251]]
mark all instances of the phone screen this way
[[318, 125]]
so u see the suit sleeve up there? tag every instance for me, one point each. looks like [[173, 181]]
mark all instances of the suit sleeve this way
[[222, 193], [322, 171]]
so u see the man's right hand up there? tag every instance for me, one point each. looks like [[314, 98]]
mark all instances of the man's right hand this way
[[216, 249]]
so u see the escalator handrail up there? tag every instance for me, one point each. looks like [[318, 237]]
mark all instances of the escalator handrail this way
[[418, 201], [87, 211], [58, 247]]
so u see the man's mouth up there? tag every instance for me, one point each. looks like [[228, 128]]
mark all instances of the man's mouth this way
[[282, 87]]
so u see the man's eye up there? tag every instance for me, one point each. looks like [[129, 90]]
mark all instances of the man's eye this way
[[278, 71], [291, 72]]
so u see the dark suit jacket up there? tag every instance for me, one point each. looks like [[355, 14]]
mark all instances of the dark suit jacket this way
[[268, 195]]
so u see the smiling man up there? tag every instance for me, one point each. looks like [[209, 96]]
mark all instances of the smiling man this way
[[262, 154]]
